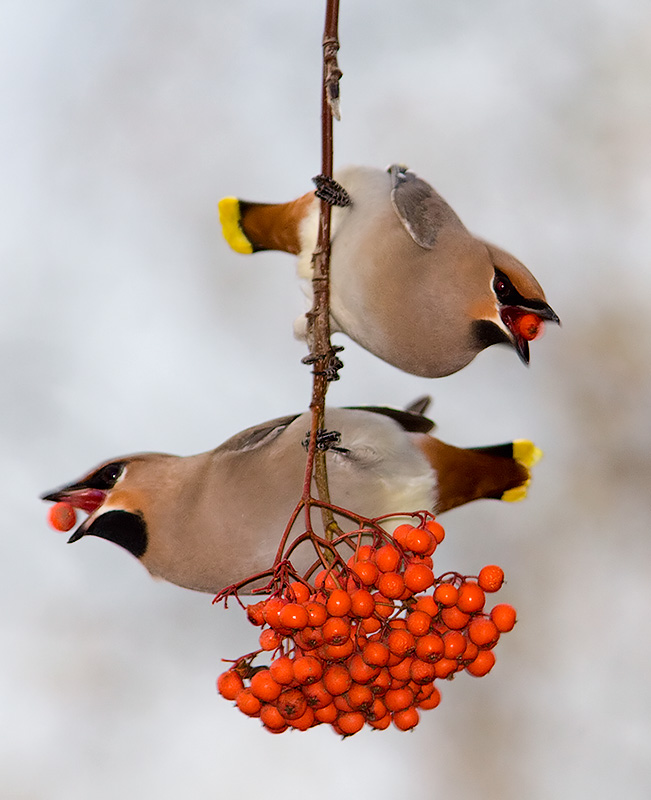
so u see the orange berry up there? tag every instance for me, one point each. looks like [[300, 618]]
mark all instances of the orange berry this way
[[418, 577], [336, 652], [360, 696], [482, 664], [384, 607], [470, 653], [297, 592], [430, 647], [406, 719], [350, 723], [445, 667], [338, 604], [432, 701], [255, 613], [341, 703], [360, 671], [366, 571], [309, 638], [282, 670], [375, 654], [336, 630], [272, 609], [491, 578], [427, 604], [397, 699], [483, 632], [436, 529], [471, 597], [454, 643], [504, 617], [381, 723], [307, 669], [370, 626], [291, 703], [248, 703], [421, 541], [454, 618], [305, 721], [327, 579], [317, 695], [446, 594], [270, 639], [230, 684], [264, 687], [382, 681], [530, 326], [401, 642], [327, 714], [365, 552], [391, 585], [421, 672], [362, 603], [293, 616], [272, 719], [418, 623], [316, 613], [376, 710], [400, 534], [402, 670], [336, 679], [387, 558], [62, 516]]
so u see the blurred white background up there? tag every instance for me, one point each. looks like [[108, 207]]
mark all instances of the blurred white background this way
[[127, 324]]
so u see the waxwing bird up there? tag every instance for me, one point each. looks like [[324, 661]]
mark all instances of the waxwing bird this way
[[408, 281], [209, 520]]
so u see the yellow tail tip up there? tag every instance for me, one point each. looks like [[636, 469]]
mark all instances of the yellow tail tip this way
[[516, 494], [526, 453], [229, 216]]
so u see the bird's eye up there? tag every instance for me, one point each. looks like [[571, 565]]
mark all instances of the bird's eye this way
[[502, 286], [106, 477]]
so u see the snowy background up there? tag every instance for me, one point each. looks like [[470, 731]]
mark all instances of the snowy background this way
[[127, 325]]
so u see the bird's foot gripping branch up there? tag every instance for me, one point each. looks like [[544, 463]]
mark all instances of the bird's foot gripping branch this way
[[366, 635]]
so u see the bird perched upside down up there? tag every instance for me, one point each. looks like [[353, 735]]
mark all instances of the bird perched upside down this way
[[408, 282], [207, 521]]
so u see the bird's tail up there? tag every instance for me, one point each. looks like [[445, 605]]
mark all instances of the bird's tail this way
[[501, 472], [249, 227]]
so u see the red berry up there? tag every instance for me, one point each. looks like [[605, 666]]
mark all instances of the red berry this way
[[62, 516], [338, 604], [229, 684], [491, 578], [503, 615]]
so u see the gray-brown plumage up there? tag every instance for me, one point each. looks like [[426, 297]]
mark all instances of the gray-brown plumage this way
[[409, 282], [209, 520]]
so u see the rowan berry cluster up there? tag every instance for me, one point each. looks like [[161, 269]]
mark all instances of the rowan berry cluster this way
[[366, 643]]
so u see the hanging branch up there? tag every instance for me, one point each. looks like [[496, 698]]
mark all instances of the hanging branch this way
[[322, 353]]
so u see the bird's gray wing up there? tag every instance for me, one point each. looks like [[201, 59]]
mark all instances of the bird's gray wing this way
[[258, 435], [420, 209]]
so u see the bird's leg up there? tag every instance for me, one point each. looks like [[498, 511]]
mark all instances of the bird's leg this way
[[330, 370], [325, 440], [332, 192]]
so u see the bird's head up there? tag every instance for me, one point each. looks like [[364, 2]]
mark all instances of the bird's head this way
[[113, 507], [517, 309]]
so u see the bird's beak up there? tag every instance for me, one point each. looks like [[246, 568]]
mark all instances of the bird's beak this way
[[79, 496], [511, 316]]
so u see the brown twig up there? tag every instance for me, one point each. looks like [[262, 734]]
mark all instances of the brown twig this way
[[322, 354]]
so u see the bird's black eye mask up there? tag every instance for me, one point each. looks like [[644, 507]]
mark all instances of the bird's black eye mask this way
[[106, 477], [508, 295]]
